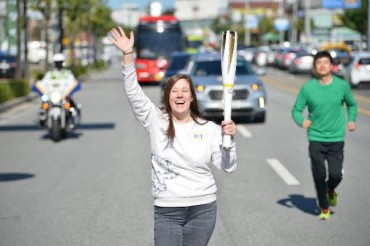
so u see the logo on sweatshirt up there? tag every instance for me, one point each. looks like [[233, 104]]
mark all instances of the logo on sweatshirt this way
[[162, 171]]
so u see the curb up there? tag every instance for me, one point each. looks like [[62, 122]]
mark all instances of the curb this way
[[15, 102]]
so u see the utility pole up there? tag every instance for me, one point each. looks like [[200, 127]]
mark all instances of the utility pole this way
[[61, 28], [294, 24], [247, 35], [307, 20], [281, 32]]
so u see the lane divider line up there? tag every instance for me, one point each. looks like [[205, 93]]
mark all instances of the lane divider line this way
[[279, 168], [244, 131]]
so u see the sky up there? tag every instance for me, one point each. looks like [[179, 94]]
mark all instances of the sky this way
[[117, 4]]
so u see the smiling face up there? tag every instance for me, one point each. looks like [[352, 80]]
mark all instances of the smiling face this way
[[180, 98]]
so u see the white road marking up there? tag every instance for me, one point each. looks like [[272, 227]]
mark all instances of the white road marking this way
[[282, 172], [244, 131]]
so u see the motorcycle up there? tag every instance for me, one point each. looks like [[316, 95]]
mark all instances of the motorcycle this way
[[58, 112]]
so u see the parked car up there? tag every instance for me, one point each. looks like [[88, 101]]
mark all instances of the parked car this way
[[248, 53], [341, 58], [301, 63], [280, 56], [358, 70], [177, 62], [260, 56], [249, 95], [8, 64]]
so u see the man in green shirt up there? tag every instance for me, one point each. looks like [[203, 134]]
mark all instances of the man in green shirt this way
[[325, 96]]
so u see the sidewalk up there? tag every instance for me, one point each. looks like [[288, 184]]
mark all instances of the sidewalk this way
[[17, 101]]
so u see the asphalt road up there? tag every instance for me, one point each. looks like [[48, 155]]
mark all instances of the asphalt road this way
[[93, 188]]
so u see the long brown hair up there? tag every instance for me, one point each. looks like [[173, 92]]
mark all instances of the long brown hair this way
[[195, 112]]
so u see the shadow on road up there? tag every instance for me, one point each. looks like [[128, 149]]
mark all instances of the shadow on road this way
[[7, 177], [75, 134], [33, 127], [305, 204]]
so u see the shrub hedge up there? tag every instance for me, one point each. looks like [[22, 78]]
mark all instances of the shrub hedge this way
[[13, 88]]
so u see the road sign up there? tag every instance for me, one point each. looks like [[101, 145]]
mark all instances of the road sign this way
[[281, 24], [251, 22], [341, 4]]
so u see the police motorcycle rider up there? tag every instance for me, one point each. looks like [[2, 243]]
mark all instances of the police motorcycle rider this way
[[59, 73]]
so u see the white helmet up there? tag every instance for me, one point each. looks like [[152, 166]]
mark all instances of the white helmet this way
[[59, 57]]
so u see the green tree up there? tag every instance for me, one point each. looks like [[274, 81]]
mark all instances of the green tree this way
[[101, 24], [80, 16], [221, 24], [19, 26], [357, 18], [265, 25], [45, 8]]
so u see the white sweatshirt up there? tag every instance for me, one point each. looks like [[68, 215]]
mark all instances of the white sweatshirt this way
[[181, 173]]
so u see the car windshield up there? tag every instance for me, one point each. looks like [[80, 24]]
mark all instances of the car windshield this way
[[150, 44], [364, 61], [205, 68], [339, 53], [178, 62]]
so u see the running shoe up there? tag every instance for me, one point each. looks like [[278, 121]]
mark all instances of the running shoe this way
[[333, 197], [325, 214]]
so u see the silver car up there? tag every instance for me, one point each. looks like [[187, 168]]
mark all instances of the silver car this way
[[301, 63], [358, 70], [249, 97]]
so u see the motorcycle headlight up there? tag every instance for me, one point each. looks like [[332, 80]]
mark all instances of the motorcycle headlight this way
[[44, 98], [55, 97]]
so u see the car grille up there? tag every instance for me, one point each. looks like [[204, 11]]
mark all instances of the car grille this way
[[241, 94]]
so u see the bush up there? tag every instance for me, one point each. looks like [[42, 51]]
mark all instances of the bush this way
[[79, 70], [37, 74], [20, 87], [6, 92], [13, 88], [98, 65]]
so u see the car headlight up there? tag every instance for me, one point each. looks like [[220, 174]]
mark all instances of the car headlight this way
[[255, 86], [55, 97], [200, 88]]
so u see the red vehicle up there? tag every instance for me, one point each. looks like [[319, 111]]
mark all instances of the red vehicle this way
[[155, 39]]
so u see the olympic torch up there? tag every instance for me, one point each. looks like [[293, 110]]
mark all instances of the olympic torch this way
[[228, 66]]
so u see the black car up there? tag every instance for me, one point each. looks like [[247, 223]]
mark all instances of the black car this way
[[8, 63]]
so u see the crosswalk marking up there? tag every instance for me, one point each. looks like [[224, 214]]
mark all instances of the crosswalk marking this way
[[282, 172], [244, 131]]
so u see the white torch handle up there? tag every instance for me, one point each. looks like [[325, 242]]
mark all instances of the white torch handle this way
[[228, 66], [228, 96]]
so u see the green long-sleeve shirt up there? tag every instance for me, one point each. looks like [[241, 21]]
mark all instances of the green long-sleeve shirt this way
[[326, 109]]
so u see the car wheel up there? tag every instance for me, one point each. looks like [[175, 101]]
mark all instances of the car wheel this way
[[260, 117]]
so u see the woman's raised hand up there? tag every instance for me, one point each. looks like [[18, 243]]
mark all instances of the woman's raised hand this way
[[119, 39]]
